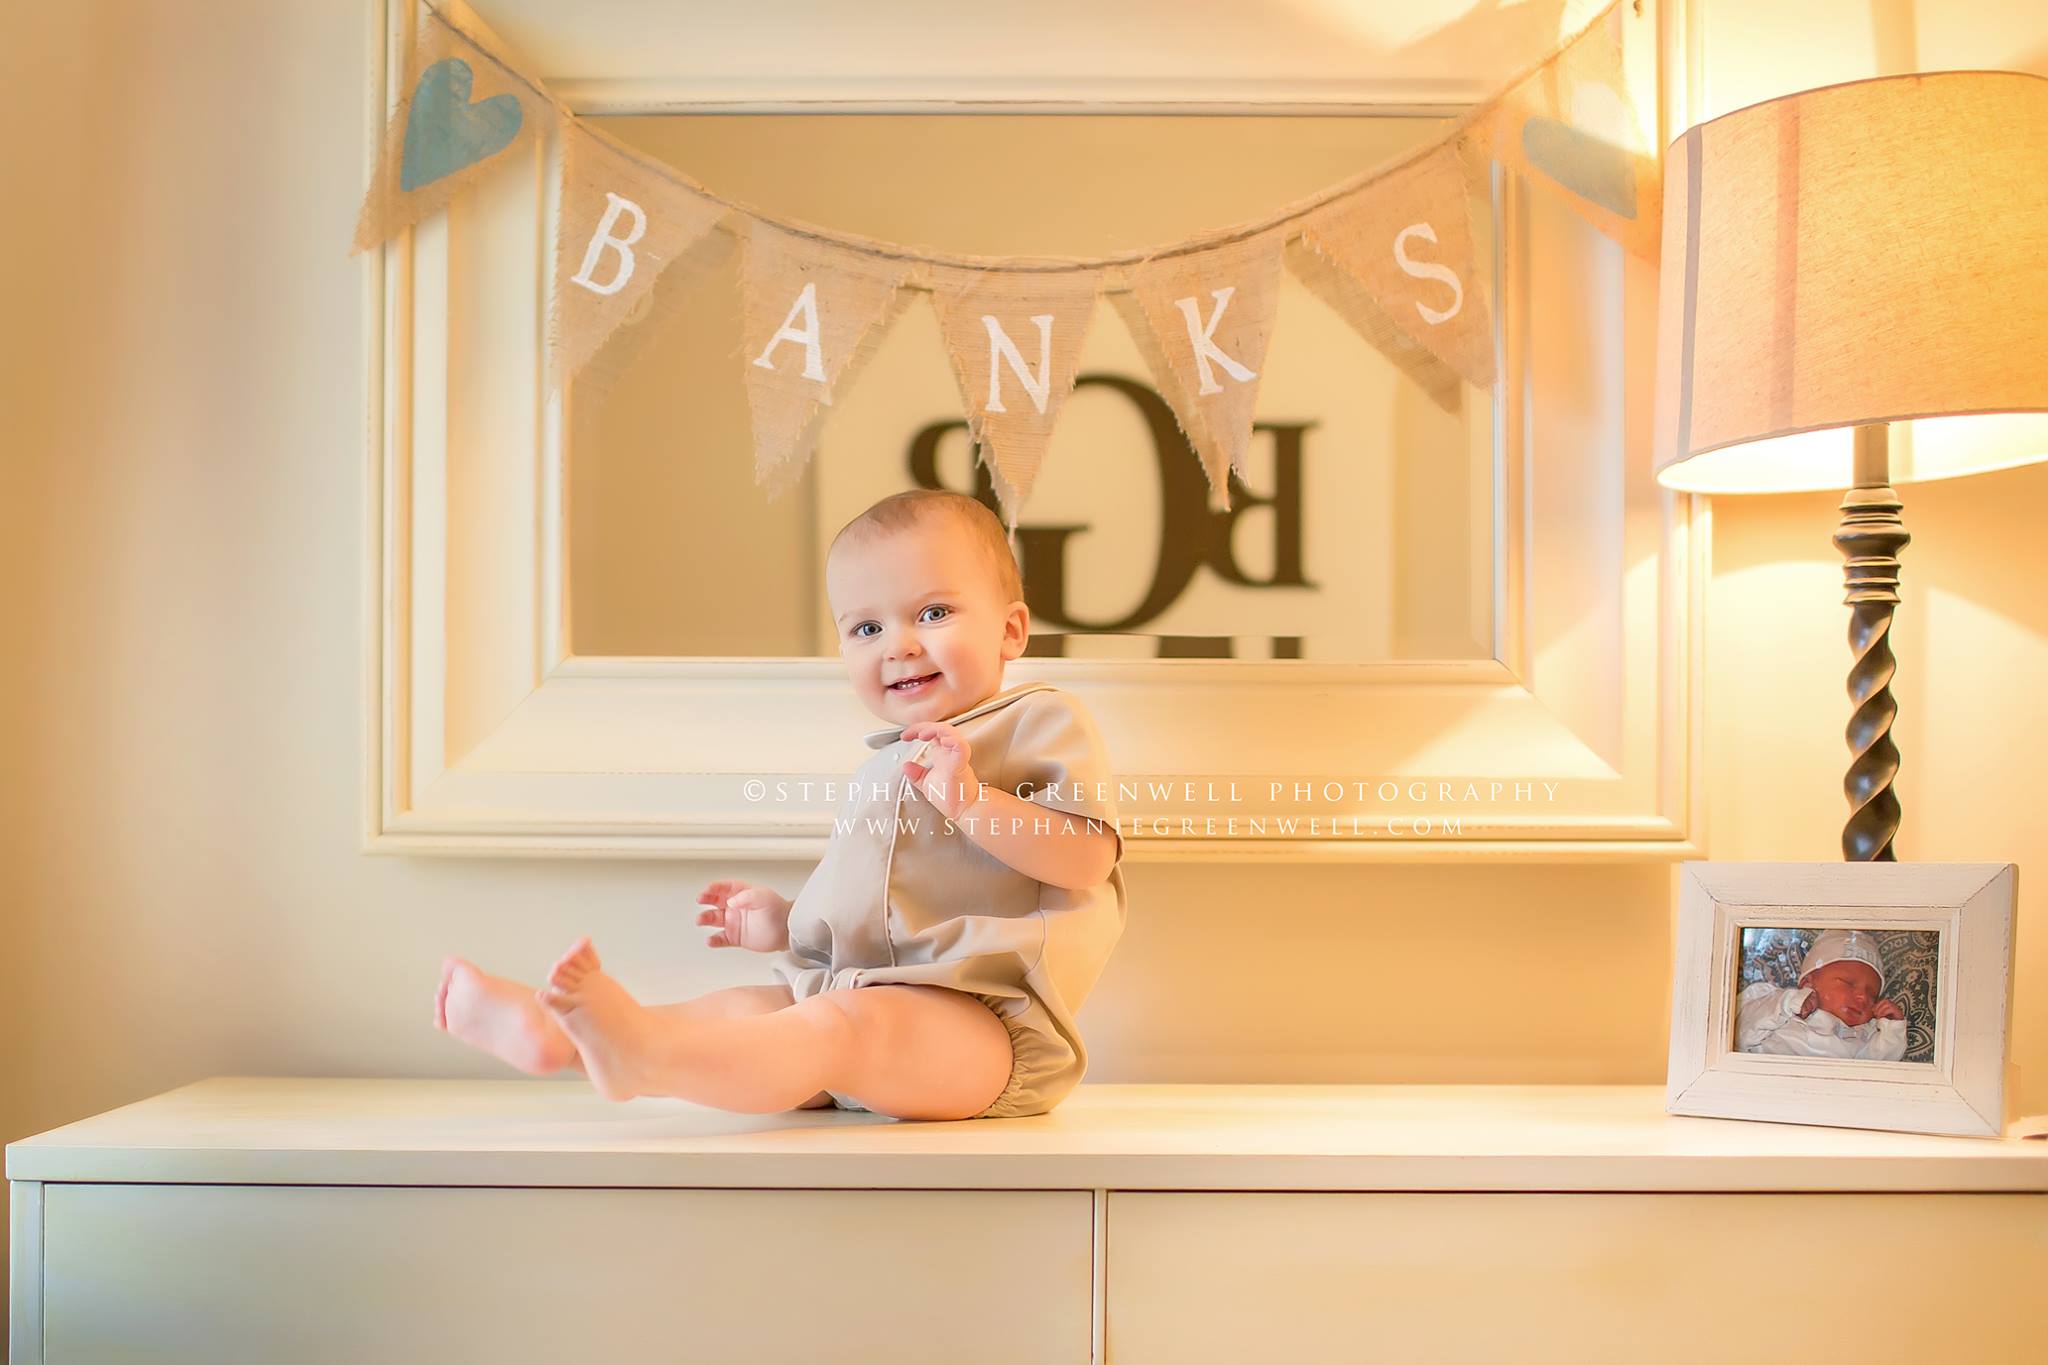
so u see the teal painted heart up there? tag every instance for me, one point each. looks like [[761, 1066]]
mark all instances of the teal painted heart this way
[[445, 132], [1588, 167]]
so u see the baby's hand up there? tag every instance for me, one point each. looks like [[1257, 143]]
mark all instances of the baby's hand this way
[[744, 916], [1887, 1008], [945, 779]]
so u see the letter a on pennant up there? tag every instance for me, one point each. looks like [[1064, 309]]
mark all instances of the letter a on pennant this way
[[1203, 320], [811, 313], [622, 224], [1015, 341]]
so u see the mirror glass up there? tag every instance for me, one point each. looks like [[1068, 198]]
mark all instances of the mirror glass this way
[[1365, 530]]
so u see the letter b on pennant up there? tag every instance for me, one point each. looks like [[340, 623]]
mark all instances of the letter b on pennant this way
[[615, 207]]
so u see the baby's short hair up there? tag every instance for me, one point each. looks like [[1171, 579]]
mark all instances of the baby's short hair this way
[[915, 507]]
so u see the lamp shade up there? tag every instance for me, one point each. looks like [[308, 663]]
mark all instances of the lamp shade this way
[[1859, 253]]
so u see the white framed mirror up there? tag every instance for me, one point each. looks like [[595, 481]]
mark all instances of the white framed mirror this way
[[1425, 634]]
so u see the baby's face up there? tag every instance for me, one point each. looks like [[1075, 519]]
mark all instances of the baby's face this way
[[922, 603], [1847, 990]]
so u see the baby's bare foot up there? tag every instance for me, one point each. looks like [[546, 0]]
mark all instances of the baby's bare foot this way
[[609, 1027], [501, 1017]]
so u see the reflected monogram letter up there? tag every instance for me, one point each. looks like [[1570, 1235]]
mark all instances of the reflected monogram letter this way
[[1192, 533]]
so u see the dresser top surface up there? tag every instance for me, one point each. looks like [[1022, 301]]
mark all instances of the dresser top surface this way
[[268, 1130]]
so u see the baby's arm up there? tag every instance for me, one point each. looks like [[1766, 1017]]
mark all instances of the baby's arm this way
[[1763, 1009], [1888, 1039], [1067, 853], [741, 915]]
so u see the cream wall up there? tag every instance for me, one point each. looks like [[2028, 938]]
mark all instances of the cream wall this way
[[179, 529]]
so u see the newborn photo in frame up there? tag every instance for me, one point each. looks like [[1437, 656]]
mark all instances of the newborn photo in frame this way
[[1859, 992], [1857, 995]]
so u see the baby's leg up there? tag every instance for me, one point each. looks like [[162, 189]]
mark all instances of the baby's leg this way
[[503, 1018], [734, 1002], [922, 1052]]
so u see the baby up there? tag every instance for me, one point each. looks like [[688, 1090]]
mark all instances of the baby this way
[[931, 966], [1836, 1010]]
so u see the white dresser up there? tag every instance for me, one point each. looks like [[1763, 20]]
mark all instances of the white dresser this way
[[359, 1221]]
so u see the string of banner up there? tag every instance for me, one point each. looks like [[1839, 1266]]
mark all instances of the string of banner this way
[[1391, 250]]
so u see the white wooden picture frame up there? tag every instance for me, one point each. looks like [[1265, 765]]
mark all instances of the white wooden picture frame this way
[[484, 734], [1965, 1090]]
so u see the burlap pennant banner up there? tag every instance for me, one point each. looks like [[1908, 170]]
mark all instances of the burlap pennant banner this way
[[812, 312], [461, 110], [1571, 126], [1393, 251], [1398, 261], [621, 224], [1015, 339], [1203, 320]]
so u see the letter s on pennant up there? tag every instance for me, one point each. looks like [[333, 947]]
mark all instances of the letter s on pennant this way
[[1428, 270]]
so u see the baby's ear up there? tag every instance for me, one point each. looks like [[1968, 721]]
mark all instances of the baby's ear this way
[[1016, 631]]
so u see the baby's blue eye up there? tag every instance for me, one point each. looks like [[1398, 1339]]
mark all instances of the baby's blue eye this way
[[859, 632]]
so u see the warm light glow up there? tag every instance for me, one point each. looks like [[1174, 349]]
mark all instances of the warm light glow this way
[[1861, 253], [1932, 448]]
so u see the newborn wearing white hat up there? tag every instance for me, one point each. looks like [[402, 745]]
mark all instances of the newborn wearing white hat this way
[[1838, 1009]]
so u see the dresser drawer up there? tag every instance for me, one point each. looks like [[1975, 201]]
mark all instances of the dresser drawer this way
[[213, 1273], [1575, 1278]]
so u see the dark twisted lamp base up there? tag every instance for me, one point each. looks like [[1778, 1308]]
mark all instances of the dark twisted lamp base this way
[[1870, 538]]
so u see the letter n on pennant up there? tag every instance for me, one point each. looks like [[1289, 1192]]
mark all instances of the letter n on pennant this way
[[1014, 338]]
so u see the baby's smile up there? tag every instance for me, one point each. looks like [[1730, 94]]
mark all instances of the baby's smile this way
[[914, 686]]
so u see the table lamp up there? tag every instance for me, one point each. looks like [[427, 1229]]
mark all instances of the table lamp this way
[[1838, 263]]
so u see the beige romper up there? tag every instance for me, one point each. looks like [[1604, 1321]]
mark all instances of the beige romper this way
[[903, 897]]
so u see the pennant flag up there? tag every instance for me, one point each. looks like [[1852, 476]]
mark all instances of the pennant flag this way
[[1350, 300], [1015, 339], [1403, 246], [621, 224], [1202, 320], [460, 111], [1571, 126], [812, 312], [1392, 251]]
